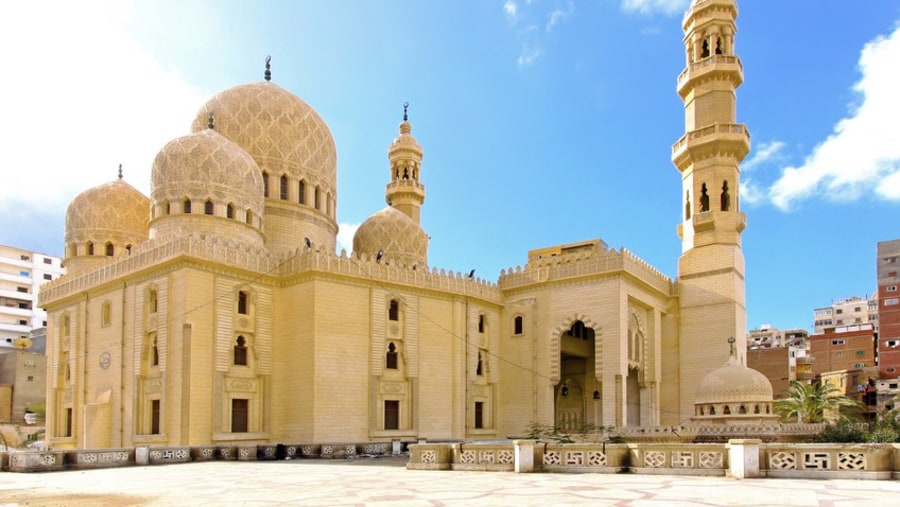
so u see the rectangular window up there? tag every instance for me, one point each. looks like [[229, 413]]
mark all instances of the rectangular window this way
[[22, 289], [838, 342], [24, 273], [23, 322], [25, 257], [31, 378], [394, 310], [48, 260], [48, 276], [481, 323], [517, 325], [242, 303], [839, 311], [240, 415], [154, 417], [68, 429], [479, 414], [860, 353], [892, 302], [391, 414]]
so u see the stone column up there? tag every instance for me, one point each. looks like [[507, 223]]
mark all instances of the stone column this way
[[524, 451], [743, 458]]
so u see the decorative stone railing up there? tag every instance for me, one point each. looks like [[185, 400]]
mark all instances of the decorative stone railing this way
[[32, 461], [728, 62], [99, 458], [484, 457], [429, 457], [678, 459], [829, 461], [598, 458]]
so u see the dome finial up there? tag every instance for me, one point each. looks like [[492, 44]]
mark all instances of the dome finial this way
[[733, 353], [120, 171], [210, 124], [405, 109], [268, 74]]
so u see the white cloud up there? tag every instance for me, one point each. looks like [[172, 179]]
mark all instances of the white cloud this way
[[81, 97], [751, 192], [560, 13], [765, 152], [511, 9], [653, 6], [863, 153], [528, 56], [345, 237]]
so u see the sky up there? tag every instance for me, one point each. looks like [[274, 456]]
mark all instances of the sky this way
[[542, 121]]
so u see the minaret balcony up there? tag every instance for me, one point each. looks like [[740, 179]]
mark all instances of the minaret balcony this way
[[727, 220], [405, 186], [729, 139], [719, 67]]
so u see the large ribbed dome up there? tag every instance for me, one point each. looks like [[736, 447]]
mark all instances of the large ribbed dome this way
[[734, 382], [207, 165], [398, 237], [280, 131], [112, 212]]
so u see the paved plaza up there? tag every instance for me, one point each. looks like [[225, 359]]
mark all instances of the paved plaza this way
[[385, 482]]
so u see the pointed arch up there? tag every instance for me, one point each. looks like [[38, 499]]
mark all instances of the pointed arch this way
[[556, 335]]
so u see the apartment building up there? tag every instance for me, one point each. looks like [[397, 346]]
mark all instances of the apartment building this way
[[846, 312], [888, 304], [22, 272]]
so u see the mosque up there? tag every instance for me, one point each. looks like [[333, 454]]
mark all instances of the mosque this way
[[217, 311]]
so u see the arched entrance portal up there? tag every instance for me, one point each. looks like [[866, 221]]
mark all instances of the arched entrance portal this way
[[573, 397]]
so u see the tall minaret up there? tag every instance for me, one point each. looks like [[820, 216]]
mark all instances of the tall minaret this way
[[711, 267], [404, 192]]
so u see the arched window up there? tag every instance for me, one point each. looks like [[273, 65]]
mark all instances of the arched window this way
[[283, 188], [726, 410], [105, 314], [229, 211], [208, 207], [719, 46], [128, 248], [390, 359], [249, 217], [166, 208], [240, 351], [479, 368], [154, 351], [151, 301], [110, 249], [301, 192], [705, 52], [318, 198], [725, 203], [742, 410], [187, 206], [518, 324], [687, 205], [90, 248], [704, 199], [481, 323], [242, 302], [265, 176], [394, 310]]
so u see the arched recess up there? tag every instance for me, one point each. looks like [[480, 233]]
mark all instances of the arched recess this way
[[639, 396], [575, 367]]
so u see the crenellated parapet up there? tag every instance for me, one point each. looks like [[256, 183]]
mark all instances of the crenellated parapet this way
[[259, 264], [583, 264]]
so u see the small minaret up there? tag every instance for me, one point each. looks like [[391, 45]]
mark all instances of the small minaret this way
[[405, 192], [711, 268]]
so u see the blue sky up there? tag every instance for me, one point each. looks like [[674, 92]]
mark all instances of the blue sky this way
[[543, 121]]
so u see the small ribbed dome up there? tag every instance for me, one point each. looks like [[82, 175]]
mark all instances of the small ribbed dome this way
[[734, 382], [112, 212], [215, 177], [278, 129], [392, 232], [207, 165]]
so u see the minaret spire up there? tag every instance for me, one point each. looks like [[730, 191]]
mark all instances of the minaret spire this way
[[405, 192], [120, 171], [268, 73]]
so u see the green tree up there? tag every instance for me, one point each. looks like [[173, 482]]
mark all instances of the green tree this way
[[813, 403]]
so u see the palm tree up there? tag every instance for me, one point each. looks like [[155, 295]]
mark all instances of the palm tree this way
[[812, 403]]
